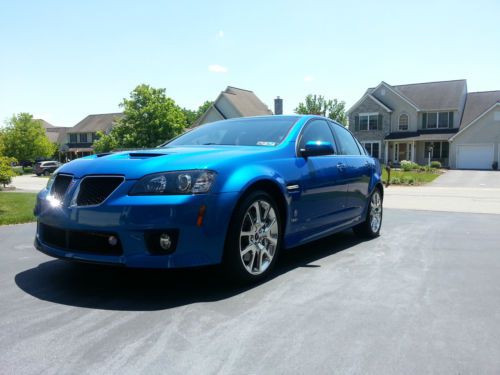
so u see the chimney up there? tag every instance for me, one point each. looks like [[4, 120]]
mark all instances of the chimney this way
[[278, 106]]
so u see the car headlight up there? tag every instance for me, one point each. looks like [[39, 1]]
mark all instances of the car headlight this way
[[179, 182]]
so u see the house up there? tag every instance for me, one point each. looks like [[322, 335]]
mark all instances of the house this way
[[78, 139], [234, 102], [428, 121]]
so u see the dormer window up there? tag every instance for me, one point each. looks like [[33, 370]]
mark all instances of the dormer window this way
[[403, 121]]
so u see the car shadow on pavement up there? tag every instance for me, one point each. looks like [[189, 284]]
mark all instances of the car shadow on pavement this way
[[116, 288]]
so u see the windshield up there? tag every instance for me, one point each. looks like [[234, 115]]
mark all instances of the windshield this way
[[269, 131]]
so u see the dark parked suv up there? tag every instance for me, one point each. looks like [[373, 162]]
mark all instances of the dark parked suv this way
[[46, 167]]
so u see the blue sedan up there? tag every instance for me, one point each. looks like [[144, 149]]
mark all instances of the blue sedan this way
[[235, 192]]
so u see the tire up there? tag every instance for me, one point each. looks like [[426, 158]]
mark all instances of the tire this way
[[252, 243], [46, 172], [370, 228]]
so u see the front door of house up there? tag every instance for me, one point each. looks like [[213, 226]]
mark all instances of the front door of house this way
[[402, 151]]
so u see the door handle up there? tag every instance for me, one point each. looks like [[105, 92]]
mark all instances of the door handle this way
[[341, 167]]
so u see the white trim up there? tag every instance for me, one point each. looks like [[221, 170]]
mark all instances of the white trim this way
[[407, 124], [368, 114], [497, 104], [397, 93], [368, 95]]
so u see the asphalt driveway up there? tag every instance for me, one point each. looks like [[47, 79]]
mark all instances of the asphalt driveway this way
[[468, 179], [423, 298]]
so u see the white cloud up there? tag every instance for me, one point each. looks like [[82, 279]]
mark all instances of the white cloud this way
[[215, 68], [220, 34], [308, 79]]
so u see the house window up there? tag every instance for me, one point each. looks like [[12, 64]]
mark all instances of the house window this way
[[94, 137], [437, 120], [440, 150], [73, 138], [403, 121], [83, 137], [373, 148], [368, 121]]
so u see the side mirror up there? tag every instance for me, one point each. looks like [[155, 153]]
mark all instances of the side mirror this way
[[317, 148]]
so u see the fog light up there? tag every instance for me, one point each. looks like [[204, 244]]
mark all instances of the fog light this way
[[112, 240], [165, 241]]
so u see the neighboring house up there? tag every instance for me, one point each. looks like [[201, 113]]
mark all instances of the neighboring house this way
[[78, 139], [234, 102], [437, 119]]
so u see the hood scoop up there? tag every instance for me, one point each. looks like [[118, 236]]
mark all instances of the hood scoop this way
[[145, 155]]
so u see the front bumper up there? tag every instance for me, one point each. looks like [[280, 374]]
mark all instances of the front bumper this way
[[130, 218]]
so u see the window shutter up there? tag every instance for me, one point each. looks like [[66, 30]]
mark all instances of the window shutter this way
[[356, 123], [424, 120], [380, 124], [450, 122]]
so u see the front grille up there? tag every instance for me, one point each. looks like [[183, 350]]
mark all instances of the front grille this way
[[95, 190], [79, 241], [60, 186]]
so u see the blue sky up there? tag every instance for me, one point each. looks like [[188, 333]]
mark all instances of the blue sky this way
[[62, 60]]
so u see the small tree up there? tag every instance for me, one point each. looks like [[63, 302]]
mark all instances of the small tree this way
[[104, 142], [25, 139], [318, 105], [150, 118], [6, 171]]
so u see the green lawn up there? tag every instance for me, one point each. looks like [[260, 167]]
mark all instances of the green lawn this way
[[16, 208], [399, 177]]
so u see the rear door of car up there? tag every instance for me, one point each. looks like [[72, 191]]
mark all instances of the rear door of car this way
[[323, 187], [358, 170]]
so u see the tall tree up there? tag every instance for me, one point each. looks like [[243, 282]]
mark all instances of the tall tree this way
[[193, 116], [24, 139], [318, 105], [150, 118]]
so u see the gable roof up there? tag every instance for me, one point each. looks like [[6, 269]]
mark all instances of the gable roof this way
[[434, 95], [369, 96], [93, 123], [244, 102], [476, 104], [45, 124]]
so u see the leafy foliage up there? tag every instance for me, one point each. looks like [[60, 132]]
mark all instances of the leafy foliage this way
[[435, 164], [318, 105], [150, 118], [6, 170], [25, 139], [193, 116]]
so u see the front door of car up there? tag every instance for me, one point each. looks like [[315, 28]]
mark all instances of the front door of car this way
[[320, 205], [358, 171]]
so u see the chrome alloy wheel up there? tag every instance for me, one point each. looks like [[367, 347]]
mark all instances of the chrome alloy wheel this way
[[258, 237], [376, 211]]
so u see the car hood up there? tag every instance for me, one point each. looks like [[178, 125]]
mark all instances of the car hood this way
[[135, 164]]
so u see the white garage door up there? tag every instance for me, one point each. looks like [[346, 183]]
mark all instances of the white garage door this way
[[475, 156]]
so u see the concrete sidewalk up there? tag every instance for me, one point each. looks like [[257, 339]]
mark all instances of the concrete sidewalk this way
[[450, 199]]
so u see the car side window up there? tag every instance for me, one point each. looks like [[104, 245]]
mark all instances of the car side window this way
[[316, 130], [347, 143]]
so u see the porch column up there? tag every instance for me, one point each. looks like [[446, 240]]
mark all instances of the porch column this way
[[386, 154], [413, 151]]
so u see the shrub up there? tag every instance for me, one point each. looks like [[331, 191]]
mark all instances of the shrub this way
[[6, 171], [435, 164], [407, 165], [395, 181]]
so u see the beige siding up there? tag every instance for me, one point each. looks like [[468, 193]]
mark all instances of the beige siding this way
[[399, 106], [485, 131]]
